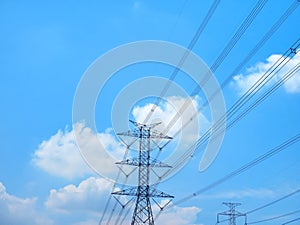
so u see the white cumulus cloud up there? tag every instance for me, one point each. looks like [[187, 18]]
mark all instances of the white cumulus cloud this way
[[180, 108], [177, 215], [242, 82], [88, 196], [60, 155], [21, 211], [190, 130], [167, 111]]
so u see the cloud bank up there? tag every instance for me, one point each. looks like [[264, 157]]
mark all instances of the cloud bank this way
[[242, 82], [61, 157], [21, 211]]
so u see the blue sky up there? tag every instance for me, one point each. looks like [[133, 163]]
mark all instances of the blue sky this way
[[47, 46]]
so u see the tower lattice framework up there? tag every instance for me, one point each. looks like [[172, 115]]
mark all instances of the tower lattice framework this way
[[143, 192], [231, 213]]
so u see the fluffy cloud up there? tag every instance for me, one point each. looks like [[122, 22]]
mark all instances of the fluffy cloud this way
[[88, 196], [14, 210], [243, 82], [60, 156], [165, 113], [177, 215], [168, 110]]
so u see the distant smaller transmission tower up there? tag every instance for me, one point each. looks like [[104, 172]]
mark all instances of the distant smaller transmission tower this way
[[144, 192], [231, 213]]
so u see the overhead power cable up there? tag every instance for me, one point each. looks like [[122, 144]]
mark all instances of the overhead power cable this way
[[275, 217], [126, 213], [273, 202], [110, 196], [175, 72], [270, 91], [251, 164], [226, 50], [191, 45], [267, 93], [291, 221], [240, 170], [246, 23], [277, 24], [266, 37], [196, 36], [277, 66], [178, 17], [247, 166], [269, 204]]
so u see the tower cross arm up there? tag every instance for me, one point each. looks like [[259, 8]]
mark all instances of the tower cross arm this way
[[132, 191], [154, 193], [135, 162], [151, 193], [157, 135], [129, 133]]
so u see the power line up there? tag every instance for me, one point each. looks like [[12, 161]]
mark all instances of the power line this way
[[271, 72], [258, 160], [268, 204], [108, 201], [273, 202], [282, 19], [178, 17], [275, 217], [113, 188], [264, 39], [278, 84], [273, 29], [191, 45], [246, 23], [242, 169], [291, 221], [175, 72], [259, 45], [122, 210], [262, 158], [272, 218], [196, 36], [226, 50], [126, 213], [232, 213]]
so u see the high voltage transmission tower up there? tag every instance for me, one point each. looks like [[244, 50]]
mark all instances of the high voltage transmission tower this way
[[231, 213], [144, 192]]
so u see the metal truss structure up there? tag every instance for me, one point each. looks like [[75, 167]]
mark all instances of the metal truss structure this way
[[144, 192], [231, 213]]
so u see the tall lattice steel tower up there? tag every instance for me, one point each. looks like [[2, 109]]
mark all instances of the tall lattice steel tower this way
[[231, 213], [144, 192]]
